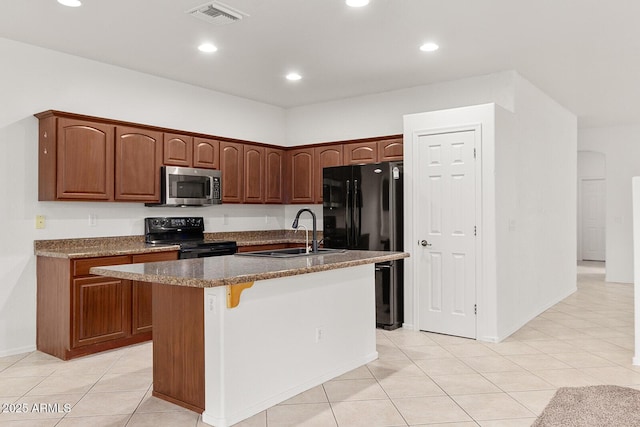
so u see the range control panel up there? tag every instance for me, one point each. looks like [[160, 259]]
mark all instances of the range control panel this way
[[172, 229]]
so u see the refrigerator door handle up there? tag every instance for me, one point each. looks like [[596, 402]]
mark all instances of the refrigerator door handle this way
[[357, 211], [347, 214]]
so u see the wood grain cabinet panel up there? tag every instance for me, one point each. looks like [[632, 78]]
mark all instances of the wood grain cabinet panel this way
[[324, 157], [84, 160], [80, 314], [178, 150], [390, 150], [360, 152], [274, 175], [101, 310], [206, 153], [138, 161], [254, 174], [232, 167], [301, 175], [141, 294]]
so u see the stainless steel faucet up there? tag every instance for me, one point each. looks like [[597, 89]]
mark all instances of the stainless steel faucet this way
[[314, 240]]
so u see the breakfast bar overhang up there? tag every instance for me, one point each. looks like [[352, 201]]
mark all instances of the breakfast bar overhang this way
[[235, 335]]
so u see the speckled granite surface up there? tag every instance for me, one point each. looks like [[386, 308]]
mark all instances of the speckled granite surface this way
[[125, 245], [232, 269]]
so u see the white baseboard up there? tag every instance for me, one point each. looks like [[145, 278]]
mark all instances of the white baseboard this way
[[18, 350]]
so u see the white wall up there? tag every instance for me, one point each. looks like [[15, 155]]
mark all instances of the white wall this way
[[381, 114], [621, 147], [536, 168], [591, 165], [33, 80]]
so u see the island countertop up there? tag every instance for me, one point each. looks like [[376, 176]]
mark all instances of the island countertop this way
[[234, 269]]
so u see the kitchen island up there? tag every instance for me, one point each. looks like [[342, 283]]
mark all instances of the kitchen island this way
[[235, 335]]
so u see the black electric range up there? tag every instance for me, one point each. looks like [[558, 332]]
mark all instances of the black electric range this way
[[188, 232]]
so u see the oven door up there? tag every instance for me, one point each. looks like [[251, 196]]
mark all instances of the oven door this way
[[190, 186], [204, 252]]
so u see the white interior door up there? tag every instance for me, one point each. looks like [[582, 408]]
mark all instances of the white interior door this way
[[445, 220], [592, 193]]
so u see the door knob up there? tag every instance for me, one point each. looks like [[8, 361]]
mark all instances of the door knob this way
[[425, 243]]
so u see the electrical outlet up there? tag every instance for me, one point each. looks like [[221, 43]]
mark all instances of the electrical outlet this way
[[93, 220], [225, 219], [40, 223], [211, 303]]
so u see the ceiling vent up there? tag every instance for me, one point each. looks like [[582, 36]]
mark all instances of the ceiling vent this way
[[217, 13]]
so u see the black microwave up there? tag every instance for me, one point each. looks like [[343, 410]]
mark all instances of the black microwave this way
[[189, 187]]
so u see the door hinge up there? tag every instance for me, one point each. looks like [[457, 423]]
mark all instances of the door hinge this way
[[474, 153], [475, 230], [475, 308]]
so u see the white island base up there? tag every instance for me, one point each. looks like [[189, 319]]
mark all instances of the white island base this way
[[286, 336]]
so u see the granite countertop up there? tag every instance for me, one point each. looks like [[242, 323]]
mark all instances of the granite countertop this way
[[127, 245], [233, 269]]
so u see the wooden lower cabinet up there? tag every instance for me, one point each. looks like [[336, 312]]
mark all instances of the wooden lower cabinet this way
[[141, 296], [80, 314], [101, 310]]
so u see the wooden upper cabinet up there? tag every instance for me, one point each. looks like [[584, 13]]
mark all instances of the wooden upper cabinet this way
[[254, 174], [178, 150], [360, 152], [390, 149], [138, 161], [274, 176], [232, 167], [328, 156], [82, 160], [206, 153], [301, 175]]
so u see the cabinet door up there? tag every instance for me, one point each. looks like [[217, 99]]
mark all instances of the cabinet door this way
[[325, 157], [231, 165], [360, 152], [84, 160], [178, 150], [301, 170], [254, 175], [206, 153], [274, 176], [141, 296], [390, 149], [101, 310], [138, 161]]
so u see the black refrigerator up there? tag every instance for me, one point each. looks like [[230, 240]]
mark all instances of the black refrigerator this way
[[362, 209]]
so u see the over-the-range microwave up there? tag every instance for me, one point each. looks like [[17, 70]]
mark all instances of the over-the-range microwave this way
[[189, 187]]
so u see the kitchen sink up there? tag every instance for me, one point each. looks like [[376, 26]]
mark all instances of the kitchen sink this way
[[290, 252]]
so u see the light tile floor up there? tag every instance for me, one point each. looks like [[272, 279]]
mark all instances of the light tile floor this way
[[419, 379]]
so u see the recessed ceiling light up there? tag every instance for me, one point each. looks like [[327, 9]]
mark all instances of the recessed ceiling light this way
[[429, 47], [293, 76], [357, 3], [70, 3], [207, 48]]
